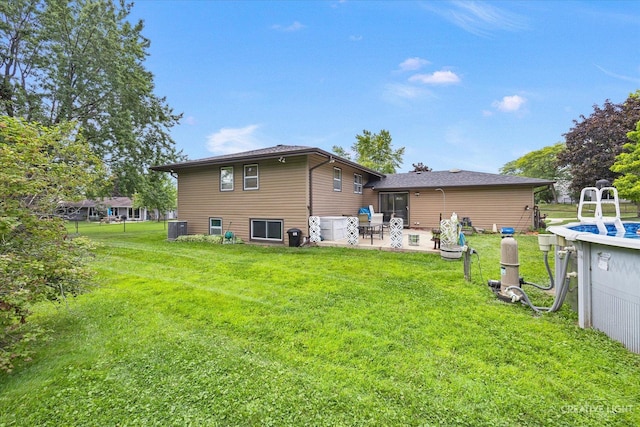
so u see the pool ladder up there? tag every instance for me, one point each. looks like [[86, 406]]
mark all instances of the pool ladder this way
[[598, 218]]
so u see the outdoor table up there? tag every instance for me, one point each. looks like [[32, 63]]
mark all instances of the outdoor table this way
[[371, 229]]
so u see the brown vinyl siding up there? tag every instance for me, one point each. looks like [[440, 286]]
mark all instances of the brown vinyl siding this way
[[485, 206], [370, 197], [282, 195], [286, 193], [326, 201]]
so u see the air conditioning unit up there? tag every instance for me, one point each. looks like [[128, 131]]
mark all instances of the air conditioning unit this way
[[177, 228]]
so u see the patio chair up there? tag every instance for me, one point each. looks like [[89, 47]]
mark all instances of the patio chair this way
[[376, 222], [363, 219], [376, 218]]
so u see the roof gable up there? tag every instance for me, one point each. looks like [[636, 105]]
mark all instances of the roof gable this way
[[261, 154]]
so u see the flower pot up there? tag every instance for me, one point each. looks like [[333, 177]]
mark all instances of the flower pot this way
[[451, 253]]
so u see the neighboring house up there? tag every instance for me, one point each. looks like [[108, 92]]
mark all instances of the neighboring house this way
[[111, 208], [261, 194]]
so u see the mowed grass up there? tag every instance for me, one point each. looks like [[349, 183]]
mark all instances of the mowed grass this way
[[198, 334], [628, 211]]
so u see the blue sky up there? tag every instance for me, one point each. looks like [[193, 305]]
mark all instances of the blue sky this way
[[468, 85]]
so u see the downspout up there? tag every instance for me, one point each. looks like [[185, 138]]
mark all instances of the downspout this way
[[310, 207]]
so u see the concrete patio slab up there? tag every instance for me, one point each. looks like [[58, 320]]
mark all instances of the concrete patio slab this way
[[421, 243]]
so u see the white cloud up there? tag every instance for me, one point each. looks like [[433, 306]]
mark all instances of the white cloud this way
[[619, 76], [296, 26], [397, 90], [189, 120], [355, 38], [509, 104], [233, 140], [477, 17], [444, 77], [412, 64]]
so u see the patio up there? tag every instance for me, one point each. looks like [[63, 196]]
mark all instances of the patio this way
[[423, 243]]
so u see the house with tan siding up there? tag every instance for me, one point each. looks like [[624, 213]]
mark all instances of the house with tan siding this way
[[484, 198], [260, 194]]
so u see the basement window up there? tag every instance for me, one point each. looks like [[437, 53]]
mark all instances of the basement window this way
[[267, 230], [215, 226]]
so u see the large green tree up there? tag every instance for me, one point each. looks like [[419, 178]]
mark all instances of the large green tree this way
[[159, 192], [374, 151], [543, 164], [628, 165], [39, 167], [594, 142], [83, 61]]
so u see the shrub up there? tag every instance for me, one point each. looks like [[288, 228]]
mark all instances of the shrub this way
[[205, 238], [38, 167]]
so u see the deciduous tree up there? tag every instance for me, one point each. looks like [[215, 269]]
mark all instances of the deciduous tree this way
[[628, 165], [541, 163], [594, 142], [84, 61], [420, 167], [374, 151], [39, 167], [158, 192]]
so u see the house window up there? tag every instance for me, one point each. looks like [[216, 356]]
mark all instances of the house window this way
[[357, 183], [133, 213], [267, 229], [215, 226], [337, 179], [226, 178], [250, 177]]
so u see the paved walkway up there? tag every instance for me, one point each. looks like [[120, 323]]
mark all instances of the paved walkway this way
[[425, 244]]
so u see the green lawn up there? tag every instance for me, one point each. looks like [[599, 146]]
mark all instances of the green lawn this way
[[198, 334], [628, 211]]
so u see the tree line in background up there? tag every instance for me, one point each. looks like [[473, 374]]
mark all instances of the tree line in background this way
[[604, 145]]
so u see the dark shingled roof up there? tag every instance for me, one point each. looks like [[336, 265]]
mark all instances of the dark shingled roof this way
[[115, 202], [261, 154], [452, 178], [398, 181]]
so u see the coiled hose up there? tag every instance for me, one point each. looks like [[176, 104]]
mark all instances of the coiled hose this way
[[561, 293]]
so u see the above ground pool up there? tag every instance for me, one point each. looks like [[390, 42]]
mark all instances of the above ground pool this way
[[608, 268], [631, 229]]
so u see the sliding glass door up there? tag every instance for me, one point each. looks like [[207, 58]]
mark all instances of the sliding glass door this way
[[396, 204]]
